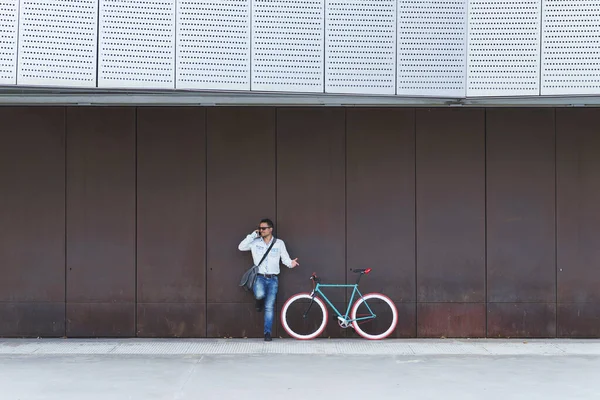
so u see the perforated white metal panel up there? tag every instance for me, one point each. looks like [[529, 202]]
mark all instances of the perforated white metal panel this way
[[504, 48], [360, 46], [9, 17], [287, 45], [213, 44], [57, 42], [432, 37], [571, 47], [137, 44]]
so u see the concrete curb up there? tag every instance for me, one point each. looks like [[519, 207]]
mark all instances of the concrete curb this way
[[398, 347]]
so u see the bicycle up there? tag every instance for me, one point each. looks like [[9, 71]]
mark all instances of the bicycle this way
[[294, 307]]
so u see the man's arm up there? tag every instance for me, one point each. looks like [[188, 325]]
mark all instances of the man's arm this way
[[245, 244], [285, 257]]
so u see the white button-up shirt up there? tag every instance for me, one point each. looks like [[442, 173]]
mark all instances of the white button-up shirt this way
[[255, 243]]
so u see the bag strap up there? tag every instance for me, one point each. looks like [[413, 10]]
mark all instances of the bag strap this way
[[267, 252]]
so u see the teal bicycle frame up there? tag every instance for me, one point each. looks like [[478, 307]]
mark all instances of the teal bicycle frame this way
[[346, 317]]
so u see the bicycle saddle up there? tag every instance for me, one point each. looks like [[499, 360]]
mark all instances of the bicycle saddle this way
[[361, 271]]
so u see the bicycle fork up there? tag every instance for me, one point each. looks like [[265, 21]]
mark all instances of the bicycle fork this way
[[312, 300]]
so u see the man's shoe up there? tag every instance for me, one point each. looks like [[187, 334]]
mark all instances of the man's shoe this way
[[268, 337], [259, 305]]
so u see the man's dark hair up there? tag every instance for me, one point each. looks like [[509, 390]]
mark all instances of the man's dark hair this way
[[267, 221]]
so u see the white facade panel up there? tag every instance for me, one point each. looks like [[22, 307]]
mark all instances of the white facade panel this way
[[504, 48], [57, 43], [287, 45], [571, 47], [213, 44], [360, 46], [9, 19], [411, 48], [432, 37], [136, 46]]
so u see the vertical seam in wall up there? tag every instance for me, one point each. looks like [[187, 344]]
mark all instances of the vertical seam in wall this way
[[276, 208], [555, 227], [66, 210], [205, 221], [485, 213], [415, 221], [136, 227], [345, 202], [275, 145], [276, 166]]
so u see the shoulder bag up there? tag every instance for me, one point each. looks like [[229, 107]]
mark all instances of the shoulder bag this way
[[247, 281]]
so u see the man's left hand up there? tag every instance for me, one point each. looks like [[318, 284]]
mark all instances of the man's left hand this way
[[295, 263]]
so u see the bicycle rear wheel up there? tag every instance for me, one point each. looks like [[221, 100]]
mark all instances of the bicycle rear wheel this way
[[380, 326], [304, 317]]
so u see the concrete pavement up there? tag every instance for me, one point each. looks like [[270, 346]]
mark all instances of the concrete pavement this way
[[176, 369], [498, 347]]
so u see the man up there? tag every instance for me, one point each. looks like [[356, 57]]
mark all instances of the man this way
[[267, 281]]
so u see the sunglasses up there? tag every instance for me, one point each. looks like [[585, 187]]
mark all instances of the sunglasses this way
[[262, 228]]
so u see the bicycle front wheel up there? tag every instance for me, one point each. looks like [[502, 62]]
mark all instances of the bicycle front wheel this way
[[304, 317], [380, 326]]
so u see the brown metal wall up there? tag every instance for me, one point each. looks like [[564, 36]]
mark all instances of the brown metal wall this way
[[380, 198], [171, 222], [578, 222], [450, 222], [311, 199], [125, 221], [240, 191], [521, 252], [100, 207], [32, 221]]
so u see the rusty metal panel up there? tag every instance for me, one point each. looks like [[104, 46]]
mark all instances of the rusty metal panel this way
[[380, 179], [528, 320], [27, 319], [521, 258], [101, 319], [101, 221], [171, 320], [238, 320], [311, 196], [407, 320], [240, 192], [578, 320], [171, 207], [450, 207], [32, 210], [450, 320], [578, 200]]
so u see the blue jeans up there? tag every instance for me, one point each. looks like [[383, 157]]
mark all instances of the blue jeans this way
[[266, 288]]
